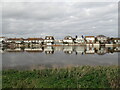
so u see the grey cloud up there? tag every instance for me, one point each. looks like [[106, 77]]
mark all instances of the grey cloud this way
[[59, 19]]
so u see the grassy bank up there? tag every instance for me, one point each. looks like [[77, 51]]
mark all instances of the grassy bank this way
[[72, 77]]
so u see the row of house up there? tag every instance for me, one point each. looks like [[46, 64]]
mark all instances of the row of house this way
[[68, 40]]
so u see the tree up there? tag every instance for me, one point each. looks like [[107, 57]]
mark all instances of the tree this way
[[22, 42], [3, 42]]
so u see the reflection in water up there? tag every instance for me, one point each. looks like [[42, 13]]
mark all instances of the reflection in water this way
[[66, 49], [59, 56], [49, 50]]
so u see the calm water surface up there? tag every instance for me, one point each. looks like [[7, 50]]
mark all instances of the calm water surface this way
[[35, 58]]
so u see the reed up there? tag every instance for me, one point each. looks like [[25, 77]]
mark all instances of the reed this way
[[70, 77]]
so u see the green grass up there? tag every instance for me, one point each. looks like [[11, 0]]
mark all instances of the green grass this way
[[72, 77]]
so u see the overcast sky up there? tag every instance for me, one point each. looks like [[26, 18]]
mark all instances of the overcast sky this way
[[59, 19]]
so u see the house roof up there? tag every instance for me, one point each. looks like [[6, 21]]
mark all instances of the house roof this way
[[17, 39], [34, 39], [67, 37], [52, 38], [48, 36], [89, 36], [101, 36], [2, 37], [115, 38]]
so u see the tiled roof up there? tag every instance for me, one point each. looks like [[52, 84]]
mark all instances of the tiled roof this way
[[2, 37], [101, 36], [17, 39], [50, 38], [68, 38], [25, 39], [34, 39], [115, 38], [89, 36]]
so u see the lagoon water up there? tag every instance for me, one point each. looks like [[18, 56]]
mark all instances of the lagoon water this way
[[59, 56]]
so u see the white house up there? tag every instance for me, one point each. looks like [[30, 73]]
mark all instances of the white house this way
[[68, 40], [116, 40], [102, 39], [2, 39], [80, 40], [34, 40], [49, 40], [90, 39], [58, 42], [14, 40]]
